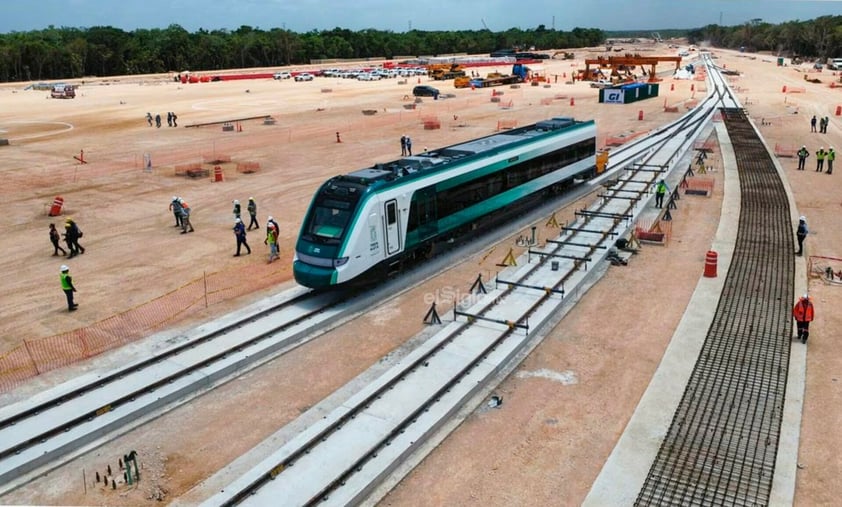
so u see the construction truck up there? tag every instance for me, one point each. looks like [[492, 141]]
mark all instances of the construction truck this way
[[518, 75], [440, 72]]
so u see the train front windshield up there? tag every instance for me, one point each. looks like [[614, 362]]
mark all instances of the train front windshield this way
[[329, 220]]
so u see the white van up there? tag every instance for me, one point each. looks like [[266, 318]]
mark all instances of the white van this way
[[834, 63]]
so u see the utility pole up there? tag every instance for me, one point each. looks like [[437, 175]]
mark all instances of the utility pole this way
[[554, 23]]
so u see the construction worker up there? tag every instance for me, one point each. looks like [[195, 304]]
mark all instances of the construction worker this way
[[72, 233], [803, 312], [813, 124], [801, 234], [149, 119], [54, 239], [175, 207], [68, 288], [185, 216], [240, 234], [409, 141], [252, 207], [802, 157], [272, 241], [403, 145], [236, 208], [277, 227], [660, 190], [831, 156], [820, 156]]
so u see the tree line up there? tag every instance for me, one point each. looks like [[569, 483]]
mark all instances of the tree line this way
[[820, 38], [67, 53]]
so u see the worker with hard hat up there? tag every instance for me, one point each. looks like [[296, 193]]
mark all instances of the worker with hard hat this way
[[240, 235], [252, 208], [803, 312], [72, 233], [802, 157], [184, 209], [820, 156], [68, 288], [272, 241], [801, 234], [236, 208]]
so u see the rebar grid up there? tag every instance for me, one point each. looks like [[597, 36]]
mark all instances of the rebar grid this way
[[722, 443]]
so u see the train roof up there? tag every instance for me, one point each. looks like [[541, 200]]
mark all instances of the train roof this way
[[443, 157]]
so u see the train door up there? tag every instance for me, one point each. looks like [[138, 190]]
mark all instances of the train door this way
[[393, 232]]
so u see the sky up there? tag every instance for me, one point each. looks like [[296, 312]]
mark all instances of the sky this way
[[400, 16]]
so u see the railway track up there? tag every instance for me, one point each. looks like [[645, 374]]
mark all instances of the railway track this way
[[47, 430], [343, 458]]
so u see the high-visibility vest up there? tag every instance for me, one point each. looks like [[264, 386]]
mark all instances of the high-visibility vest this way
[[831, 156], [803, 310], [65, 283]]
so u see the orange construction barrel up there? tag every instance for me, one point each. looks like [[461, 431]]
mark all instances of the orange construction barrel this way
[[217, 173], [710, 264], [55, 209], [640, 115], [838, 110]]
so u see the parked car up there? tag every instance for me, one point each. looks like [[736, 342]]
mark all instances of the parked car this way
[[368, 76], [304, 76], [281, 75], [425, 91]]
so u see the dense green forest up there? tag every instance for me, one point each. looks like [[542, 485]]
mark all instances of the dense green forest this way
[[819, 38], [67, 53]]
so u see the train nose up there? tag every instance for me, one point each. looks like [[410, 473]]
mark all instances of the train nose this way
[[314, 277]]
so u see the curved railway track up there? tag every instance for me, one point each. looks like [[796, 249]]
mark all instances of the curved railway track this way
[[344, 457]]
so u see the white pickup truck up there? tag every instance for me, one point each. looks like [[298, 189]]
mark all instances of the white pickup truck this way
[[602, 83]]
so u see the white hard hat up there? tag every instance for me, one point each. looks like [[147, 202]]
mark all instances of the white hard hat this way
[[237, 220], [806, 296], [803, 219], [270, 219], [174, 198], [236, 201], [64, 267]]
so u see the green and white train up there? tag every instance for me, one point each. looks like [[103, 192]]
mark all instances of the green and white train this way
[[362, 226]]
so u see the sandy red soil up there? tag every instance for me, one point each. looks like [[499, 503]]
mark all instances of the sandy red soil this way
[[569, 401]]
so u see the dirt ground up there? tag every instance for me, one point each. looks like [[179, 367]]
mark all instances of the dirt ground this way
[[570, 400]]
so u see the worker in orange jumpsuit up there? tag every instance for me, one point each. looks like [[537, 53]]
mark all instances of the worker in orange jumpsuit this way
[[803, 313]]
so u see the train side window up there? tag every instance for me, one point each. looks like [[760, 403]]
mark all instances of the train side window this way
[[391, 215]]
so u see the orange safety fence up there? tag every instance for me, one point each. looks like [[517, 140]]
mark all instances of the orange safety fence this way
[[783, 150], [698, 186], [827, 268], [37, 356], [653, 231], [248, 167], [506, 124]]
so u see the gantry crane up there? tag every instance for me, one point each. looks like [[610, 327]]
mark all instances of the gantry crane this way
[[617, 63]]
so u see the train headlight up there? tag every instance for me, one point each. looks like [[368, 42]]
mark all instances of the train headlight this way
[[340, 262]]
